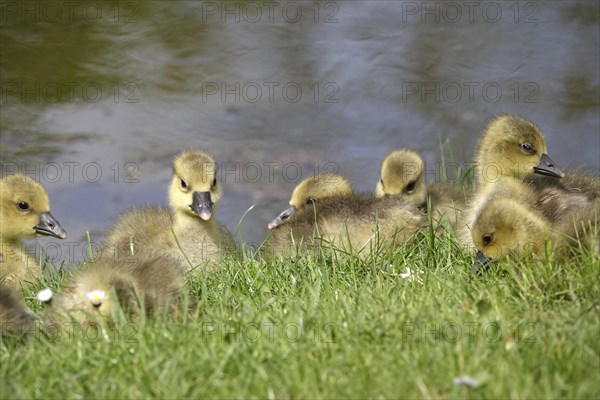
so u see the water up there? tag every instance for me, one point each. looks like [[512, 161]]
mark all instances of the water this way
[[98, 97]]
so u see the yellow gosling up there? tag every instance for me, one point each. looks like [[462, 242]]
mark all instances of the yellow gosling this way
[[403, 174], [347, 221], [506, 226], [24, 213], [188, 230], [317, 187], [151, 286], [512, 147]]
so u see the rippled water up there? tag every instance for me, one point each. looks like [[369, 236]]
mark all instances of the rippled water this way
[[98, 97]]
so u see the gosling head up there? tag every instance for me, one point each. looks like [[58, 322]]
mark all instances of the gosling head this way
[[310, 190], [505, 226], [25, 210], [513, 147], [195, 189], [402, 174]]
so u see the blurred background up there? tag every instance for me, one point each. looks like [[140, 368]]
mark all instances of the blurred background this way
[[98, 97]]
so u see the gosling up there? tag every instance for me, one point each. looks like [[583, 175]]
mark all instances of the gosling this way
[[152, 286], [188, 230], [402, 174], [513, 147], [349, 222], [24, 213], [508, 226]]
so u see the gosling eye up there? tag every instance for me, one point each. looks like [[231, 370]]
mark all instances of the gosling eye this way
[[184, 185], [410, 187], [23, 206], [487, 239], [310, 200], [381, 181], [214, 184], [527, 148]]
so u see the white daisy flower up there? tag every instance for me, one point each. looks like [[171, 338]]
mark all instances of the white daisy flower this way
[[96, 297], [44, 296]]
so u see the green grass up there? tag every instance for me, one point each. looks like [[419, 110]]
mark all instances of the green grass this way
[[337, 326]]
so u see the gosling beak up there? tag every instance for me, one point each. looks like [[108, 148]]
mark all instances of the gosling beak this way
[[202, 205], [49, 226], [548, 167], [283, 217], [481, 263]]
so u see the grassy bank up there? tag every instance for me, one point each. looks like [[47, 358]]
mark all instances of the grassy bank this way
[[339, 327]]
